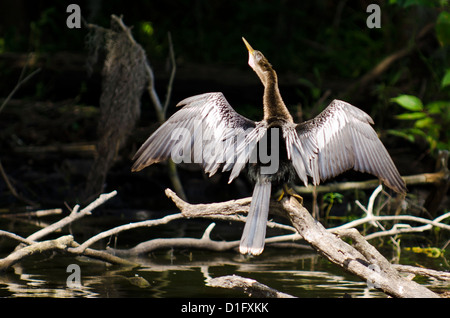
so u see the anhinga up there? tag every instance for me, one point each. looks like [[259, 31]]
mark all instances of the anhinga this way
[[338, 139]]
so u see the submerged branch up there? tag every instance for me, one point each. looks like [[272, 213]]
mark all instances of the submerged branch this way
[[249, 286]]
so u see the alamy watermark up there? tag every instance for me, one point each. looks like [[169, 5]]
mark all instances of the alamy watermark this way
[[73, 21], [74, 279], [374, 19], [372, 279]]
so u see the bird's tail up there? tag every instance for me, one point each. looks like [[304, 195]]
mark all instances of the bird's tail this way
[[253, 237]]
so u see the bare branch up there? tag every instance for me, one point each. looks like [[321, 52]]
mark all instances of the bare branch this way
[[72, 217], [358, 260], [172, 74], [126, 29], [400, 228], [204, 242], [126, 227], [60, 243], [443, 276], [16, 237], [424, 178], [228, 210], [63, 243], [249, 286], [38, 213], [18, 85], [100, 255]]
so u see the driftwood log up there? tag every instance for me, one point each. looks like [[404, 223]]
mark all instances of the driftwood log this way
[[360, 258]]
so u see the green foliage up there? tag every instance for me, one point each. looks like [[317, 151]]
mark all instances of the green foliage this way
[[446, 80], [429, 121], [443, 28], [330, 199], [409, 102], [425, 3]]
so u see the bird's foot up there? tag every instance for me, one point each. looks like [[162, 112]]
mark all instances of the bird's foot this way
[[289, 191], [281, 195]]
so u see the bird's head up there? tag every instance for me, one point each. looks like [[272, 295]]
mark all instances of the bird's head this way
[[258, 62]]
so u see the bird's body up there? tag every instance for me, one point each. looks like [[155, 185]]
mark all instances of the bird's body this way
[[207, 130]]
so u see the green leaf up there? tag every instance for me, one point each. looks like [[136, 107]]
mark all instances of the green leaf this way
[[416, 132], [443, 28], [402, 134], [409, 102], [446, 79], [411, 116], [438, 107], [424, 123]]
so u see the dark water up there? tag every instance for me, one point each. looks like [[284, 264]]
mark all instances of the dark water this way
[[181, 275], [184, 273]]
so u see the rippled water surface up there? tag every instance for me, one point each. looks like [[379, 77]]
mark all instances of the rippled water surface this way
[[183, 273]]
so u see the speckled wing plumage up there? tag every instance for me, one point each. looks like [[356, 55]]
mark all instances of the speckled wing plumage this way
[[207, 130], [338, 139]]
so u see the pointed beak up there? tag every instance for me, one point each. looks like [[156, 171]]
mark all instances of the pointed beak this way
[[249, 47]]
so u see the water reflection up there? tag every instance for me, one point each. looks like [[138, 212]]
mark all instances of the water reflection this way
[[183, 274], [21, 284]]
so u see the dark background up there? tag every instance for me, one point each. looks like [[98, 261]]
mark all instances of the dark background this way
[[321, 50]]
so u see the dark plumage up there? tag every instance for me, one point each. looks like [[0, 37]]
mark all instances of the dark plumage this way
[[207, 130]]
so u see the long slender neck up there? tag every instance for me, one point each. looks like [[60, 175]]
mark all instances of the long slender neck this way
[[274, 107]]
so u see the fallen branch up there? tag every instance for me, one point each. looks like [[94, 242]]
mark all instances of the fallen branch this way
[[205, 242], [101, 255], [443, 276], [424, 178], [225, 211], [74, 215], [29, 246], [398, 228], [249, 286], [360, 260], [126, 227], [60, 243], [16, 237], [38, 213], [64, 243]]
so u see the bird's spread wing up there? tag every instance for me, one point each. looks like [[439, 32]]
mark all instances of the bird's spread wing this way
[[208, 131], [339, 139]]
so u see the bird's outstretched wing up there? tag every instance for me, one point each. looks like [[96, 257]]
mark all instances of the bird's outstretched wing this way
[[338, 139], [206, 130]]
